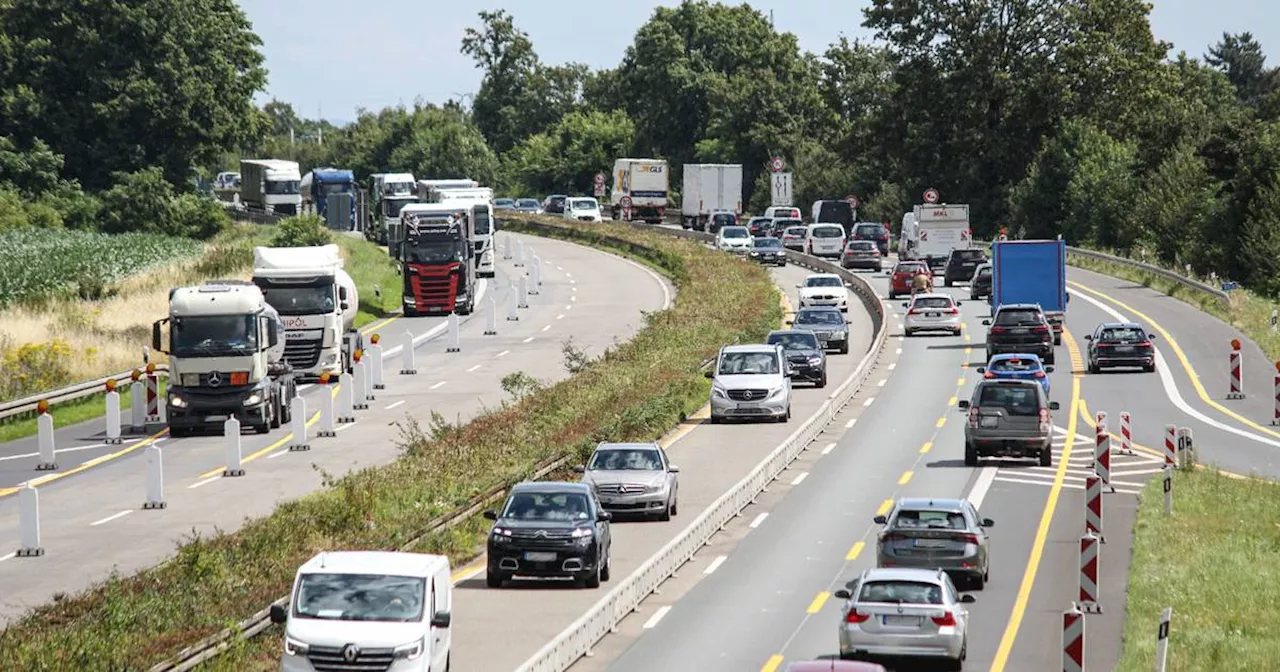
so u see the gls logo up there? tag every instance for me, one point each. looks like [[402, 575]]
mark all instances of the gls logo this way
[[657, 168]]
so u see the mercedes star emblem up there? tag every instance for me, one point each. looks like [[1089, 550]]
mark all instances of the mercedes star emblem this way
[[350, 652], [215, 379], [748, 395]]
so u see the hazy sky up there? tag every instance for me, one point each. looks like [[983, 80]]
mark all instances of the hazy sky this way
[[329, 57]]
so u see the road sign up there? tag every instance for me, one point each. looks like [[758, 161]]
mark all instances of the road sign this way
[[781, 189], [599, 189], [777, 164], [599, 179], [930, 195], [852, 201], [625, 201]]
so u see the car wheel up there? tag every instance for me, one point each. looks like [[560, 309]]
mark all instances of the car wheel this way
[[1047, 360], [666, 513], [1094, 368], [1150, 368], [593, 580], [1057, 340], [956, 332], [494, 580], [787, 417], [275, 413], [607, 570], [822, 382], [970, 455], [715, 419], [179, 432], [907, 332], [844, 348], [958, 663], [946, 282], [1046, 457], [977, 583], [675, 506]]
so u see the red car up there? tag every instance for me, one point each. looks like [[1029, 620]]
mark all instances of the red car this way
[[900, 283]]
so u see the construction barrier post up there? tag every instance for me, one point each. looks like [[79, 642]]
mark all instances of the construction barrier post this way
[[326, 408], [536, 278], [366, 365], [378, 384], [1170, 445], [512, 303], [113, 417], [138, 410], [1237, 372], [1276, 419], [407, 366], [298, 413], [524, 291], [506, 247], [491, 325], [153, 399], [1102, 451], [1093, 507], [455, 344], [1162, 639], [44, 438], [519, 253], [359, 388], [1168, 489], [347, 399], [1073, 640], [1089, 550], [1126, 433], [29, 520], [231, 430], [155, 479]]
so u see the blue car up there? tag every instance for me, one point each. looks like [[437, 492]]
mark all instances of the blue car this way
[[1018, 366]]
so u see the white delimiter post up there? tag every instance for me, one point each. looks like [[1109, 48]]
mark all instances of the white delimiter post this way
[[155, 479], [491, 328], [29, 514], [298, 419], [231, 430]]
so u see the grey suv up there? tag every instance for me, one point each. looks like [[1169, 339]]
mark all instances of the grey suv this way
[[1008, 418]]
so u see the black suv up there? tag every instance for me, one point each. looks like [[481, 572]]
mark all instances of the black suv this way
[[554, 205], [550, 529], [804, 354], [876, 233], [961, 264], [1020, 327], [1115, 344], [980, 285]]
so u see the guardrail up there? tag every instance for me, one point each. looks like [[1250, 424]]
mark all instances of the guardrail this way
[[19, 407], [577, 640]]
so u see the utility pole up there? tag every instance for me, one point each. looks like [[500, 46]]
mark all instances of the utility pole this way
[[771, 18]]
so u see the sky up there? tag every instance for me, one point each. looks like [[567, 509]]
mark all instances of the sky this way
[[329, 57]]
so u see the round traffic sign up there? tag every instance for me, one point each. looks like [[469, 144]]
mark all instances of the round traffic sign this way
[[625, 201], [599, 178], [777, 164], [930, 195], [851, 200]]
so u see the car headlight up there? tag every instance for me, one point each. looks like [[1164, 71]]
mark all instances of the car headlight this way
[[177, 402], [815, 360], [582, 532], [409, 651], [501, 534], [293, 647], [718, 392], [774, 393], [253, 399], [755, 254]]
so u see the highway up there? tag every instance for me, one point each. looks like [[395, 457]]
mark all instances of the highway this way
[[92, 521], [711, 459]]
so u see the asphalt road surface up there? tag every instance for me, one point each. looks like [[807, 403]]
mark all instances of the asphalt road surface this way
[[92, 521]]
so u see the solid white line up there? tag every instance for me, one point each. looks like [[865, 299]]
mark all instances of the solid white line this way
[[851, 423], [546, 327], [438, 385], [560, 316], [56, 452], [278, 453], [527, 340], [759, 519], [715, 564], [8, 555], [882, 382], [868, 401], [892, 366], [800, 479], [830, 447], [395, 405], [980, 487], [340, 428], [474, 368], [568, 274], [481, 286], [657, 616], [504, 353], [110, 518], [572, 282], [206, 481]]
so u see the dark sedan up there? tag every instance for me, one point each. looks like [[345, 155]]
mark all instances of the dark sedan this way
[[768, 251], [804, 354], [1121, 344]]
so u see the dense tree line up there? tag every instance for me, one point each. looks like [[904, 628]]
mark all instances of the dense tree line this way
[[1047, 116]]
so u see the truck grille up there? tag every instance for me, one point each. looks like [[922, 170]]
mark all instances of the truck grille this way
[[331, 659], [433, 286], [748, 395], [302, 354]]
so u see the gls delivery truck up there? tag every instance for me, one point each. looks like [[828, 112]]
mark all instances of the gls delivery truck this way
[[646, 183], [1031, 271]]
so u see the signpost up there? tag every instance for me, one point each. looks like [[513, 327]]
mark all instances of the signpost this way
[[625, 202], [781, 189], [931, 195], [599, 185], [777, 165]]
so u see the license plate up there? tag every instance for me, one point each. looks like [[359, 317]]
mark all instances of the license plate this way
[[1019, 331], [933, 314], [989, 422], [930, 543], [909, 621], [533, 556], [1125, 348], [215, 418]]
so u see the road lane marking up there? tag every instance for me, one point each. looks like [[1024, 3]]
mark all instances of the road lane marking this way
[[966, 336], [816, 605], [5, 492], [800, 479], [882, 382], [546, 327], [656, 617], [715, 564], [474, 368], [772, 664], [928, 446], [868, 402], [892, 366], [851, 423], [110, 518], [759, 519], [438, 385], [942, 421], [560, 316], [884, 507], [274, 446], [1046, 521], [278, 453], [8, 555], [395, 405], [56, 452], [968, 351], [906, 476], [527, 340], [855, 551], [504, 353], [206, 481], [952, 402], [960, 382], [898, 352], [828, 448], [980, 487]]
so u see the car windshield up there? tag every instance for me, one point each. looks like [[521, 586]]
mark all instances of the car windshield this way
[[724, 219], [862, 245], [1014, 399], [301, 299], [968, 255], [1020, 365], [630, 459], [930, 520], [798, 340], [827, 232], [282, 187], [503, 203], [759, 221], [360, 597], [547, 506], [480, 215], [984, 271], [1123, 334], [734, 232], [771, 243], [213, 336], [392, 207], [819, 317], [584, 204], [795, 231], [932, 302], [824, 282], [1019, 317], [908, 268], [904, 592], [528, 203], [739, 363], [870, 231]]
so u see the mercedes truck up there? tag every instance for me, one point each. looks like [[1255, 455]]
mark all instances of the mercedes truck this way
[[317, 301]]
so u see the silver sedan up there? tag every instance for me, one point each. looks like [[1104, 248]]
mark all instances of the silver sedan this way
[[633, 478], [908, 613]]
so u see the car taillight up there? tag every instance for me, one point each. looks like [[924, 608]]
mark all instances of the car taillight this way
[[967, 538], [947, 619], [854, 617], [952, 311], [1044, 415], [973, 416], [1144, 344], [1041, 329], [913, 311], [988, 375], [1038, 374], [892, 536], [999, 330]]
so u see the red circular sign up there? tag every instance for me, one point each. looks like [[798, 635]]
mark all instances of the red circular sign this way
[[851, 200], [625, 201], [777, 164], [930, 195], [599, 178]]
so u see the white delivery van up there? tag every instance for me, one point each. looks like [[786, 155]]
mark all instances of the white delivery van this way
[[368, 610], [908, 237], [824, 240]]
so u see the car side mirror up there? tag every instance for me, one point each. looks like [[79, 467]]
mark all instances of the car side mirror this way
[[441, 619], [673, 469], [581, 468], [905, 304], [1088, 337], [1151, 336], [709, 374], [880, 520], [981, 369], [344, 306], [963, 404], [957, 303], [967, 598], [1048, 369], [842, 594], [1053, 406], [790, 322], [278, 614], [604, 516], [987, 522], [986, 323], [848, 322], [342, 293], [799, 286], [491, 515]]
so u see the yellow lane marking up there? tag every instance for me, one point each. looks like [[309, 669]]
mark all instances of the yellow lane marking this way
[[379, 325], [772, 664], [968, 351], [43, 480], [816, 605], [960, 382], [928, 446], [906, 476], [952, 402], [942, 421], [884, 507], [966, 336], [1046, 520], [1115, 442], [855, 551], [1182, 358], [315, 417]]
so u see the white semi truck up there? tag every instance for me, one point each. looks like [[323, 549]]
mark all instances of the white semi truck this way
[[645, 185], [390, 192], [226, 359], [708, 188], [271, 185], [317, 302], [480, 200]]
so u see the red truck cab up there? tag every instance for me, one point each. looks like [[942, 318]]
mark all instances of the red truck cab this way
[[438, 260]]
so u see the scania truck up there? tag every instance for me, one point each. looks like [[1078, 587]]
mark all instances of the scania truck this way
[[389, 192], [317, 302], [270, 185], [437, 259], [226, 359], [480, 200]]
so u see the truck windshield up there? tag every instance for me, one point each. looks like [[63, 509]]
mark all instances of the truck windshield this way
[[482, 221], [434, 252], [213, 336], [335, 188], [291, 299], [360, 597], [282, 187], [392, 207]]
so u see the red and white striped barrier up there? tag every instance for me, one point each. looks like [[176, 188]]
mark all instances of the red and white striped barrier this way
[[1093, 507], [1276, 420], [1073, 640], [1126, 433], [1102, 451], [1089, 550], [1237, 372], [155, 409], [1170, 445]]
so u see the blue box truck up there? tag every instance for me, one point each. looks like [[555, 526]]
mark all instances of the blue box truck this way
[[1031, 271]]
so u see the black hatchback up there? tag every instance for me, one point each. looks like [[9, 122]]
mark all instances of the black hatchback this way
[[1117, 344], [1020, 327], [768, 251], [961, 264], [876, 233]]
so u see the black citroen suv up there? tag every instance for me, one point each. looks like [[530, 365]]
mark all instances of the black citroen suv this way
[[550, 529]]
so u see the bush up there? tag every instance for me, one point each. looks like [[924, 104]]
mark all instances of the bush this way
[[145, 202], [635, 391], [302, 231], [32, 368]]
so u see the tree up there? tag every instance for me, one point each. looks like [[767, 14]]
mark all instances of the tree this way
[[568, 156], [116, 86], [1241, 59], [1177, 208]]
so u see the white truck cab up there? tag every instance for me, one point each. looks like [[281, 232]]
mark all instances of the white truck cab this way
[[318, 302], [368, 610]]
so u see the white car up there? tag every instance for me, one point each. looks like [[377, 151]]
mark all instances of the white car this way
[[931, 312], [824, 289], [735, 239], [751, 382], [909, 613], [582, 209], [824, 240]]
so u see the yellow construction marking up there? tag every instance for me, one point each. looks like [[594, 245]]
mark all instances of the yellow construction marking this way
[[906, 476], [772, 664], [960, 381], [884, 507], [966, 336], [952, 402], [855, 551], [315, 417], [942, 421], [968, 351], [5, 492], [928, 446], [379, 325], [1115, 438], [816, 605]]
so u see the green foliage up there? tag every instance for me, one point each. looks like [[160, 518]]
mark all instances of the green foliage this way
[[33, 368], [301, 231], [145, 202], [568, 156]]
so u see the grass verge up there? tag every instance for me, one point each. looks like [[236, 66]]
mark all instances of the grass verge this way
[[72, 413], [1215, 561], [635, 391]]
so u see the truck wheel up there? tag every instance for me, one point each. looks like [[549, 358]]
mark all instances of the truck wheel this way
[[264, 427], [275, 413], [179, 432]]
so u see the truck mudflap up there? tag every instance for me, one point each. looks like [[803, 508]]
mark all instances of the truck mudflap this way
[[1056, 322], [431, 287]]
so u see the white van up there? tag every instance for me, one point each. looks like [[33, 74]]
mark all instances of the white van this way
[[824, 240], [368, 610], [782, 212]]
